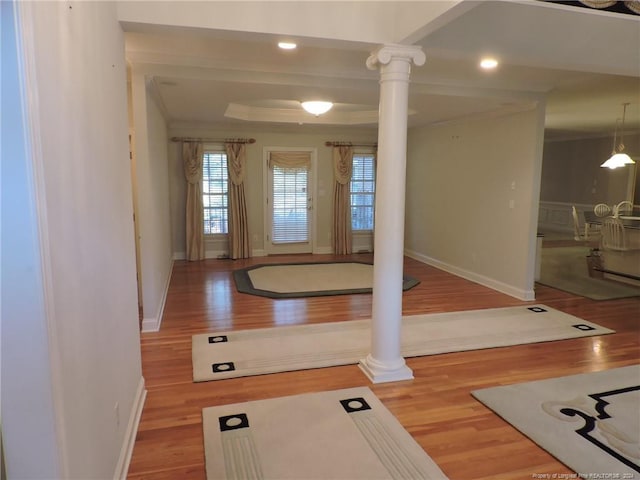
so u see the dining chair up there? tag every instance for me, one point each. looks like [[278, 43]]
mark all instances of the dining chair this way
[[576, 224], [602, 210], [613, 235], [578, 235], [623, 207]]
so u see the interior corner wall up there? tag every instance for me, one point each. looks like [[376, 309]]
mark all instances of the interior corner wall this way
[[153, 201], [77, 114], [472, 198]]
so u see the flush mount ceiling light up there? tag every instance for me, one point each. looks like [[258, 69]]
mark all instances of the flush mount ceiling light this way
[[618, 158], [317, 107], [598, 3], [488, 63], [287, 45]]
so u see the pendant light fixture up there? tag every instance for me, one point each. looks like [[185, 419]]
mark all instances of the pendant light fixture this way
[[618, 157]]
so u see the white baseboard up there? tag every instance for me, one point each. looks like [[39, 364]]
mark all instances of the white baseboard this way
[[152, 324], [207, 254], [122, 467], [518, 293]]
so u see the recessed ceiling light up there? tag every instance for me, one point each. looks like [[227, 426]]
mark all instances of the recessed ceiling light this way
[[287, 45], [488, 63]]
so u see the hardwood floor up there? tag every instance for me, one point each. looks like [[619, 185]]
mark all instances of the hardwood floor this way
[[467, 440]]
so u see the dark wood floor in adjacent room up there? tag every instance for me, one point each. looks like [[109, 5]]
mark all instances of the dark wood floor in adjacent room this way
[[463, 437]]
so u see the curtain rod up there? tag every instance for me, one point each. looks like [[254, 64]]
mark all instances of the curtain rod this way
[[349, 144], [226, 140]]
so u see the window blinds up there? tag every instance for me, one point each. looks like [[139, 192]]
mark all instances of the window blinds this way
[[290, 197], [215, 198], [363, 187]]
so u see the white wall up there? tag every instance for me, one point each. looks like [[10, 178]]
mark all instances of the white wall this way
[[462, 179], [78, 116], [153, 218], [267, 137], [28, 411], [371, 22]]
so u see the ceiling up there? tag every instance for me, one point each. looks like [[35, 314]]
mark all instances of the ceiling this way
[[585, 64]]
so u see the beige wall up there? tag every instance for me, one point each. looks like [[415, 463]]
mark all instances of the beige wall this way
[[297, 137], [154, 221], [472, 198], [571, 171], [468, 167]]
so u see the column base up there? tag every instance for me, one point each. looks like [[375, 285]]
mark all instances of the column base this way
[[378, 372]]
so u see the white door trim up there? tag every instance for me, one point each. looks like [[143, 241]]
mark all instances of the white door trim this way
[[312, 191]]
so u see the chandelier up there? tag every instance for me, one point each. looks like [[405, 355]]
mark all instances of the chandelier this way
[[618, 157]]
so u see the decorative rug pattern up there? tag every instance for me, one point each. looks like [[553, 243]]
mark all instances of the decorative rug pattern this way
[[311, 279], [590, 422], [221, 355], [340, 434], [565, 268]]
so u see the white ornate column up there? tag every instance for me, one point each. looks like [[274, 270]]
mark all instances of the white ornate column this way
[[385, 362]]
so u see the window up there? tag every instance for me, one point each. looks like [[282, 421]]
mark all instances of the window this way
[[363, 188], [215, 196]]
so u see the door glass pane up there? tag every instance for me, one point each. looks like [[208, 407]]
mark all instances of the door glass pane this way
[[290, 202]]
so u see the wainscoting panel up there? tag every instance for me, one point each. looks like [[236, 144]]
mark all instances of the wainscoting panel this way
[[557, 217]]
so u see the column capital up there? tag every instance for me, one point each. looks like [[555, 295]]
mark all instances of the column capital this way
[[385, 53]]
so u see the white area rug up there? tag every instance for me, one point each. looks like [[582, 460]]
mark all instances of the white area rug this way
[[312, 277], [341, 434], [221, 355], [590, 422]]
